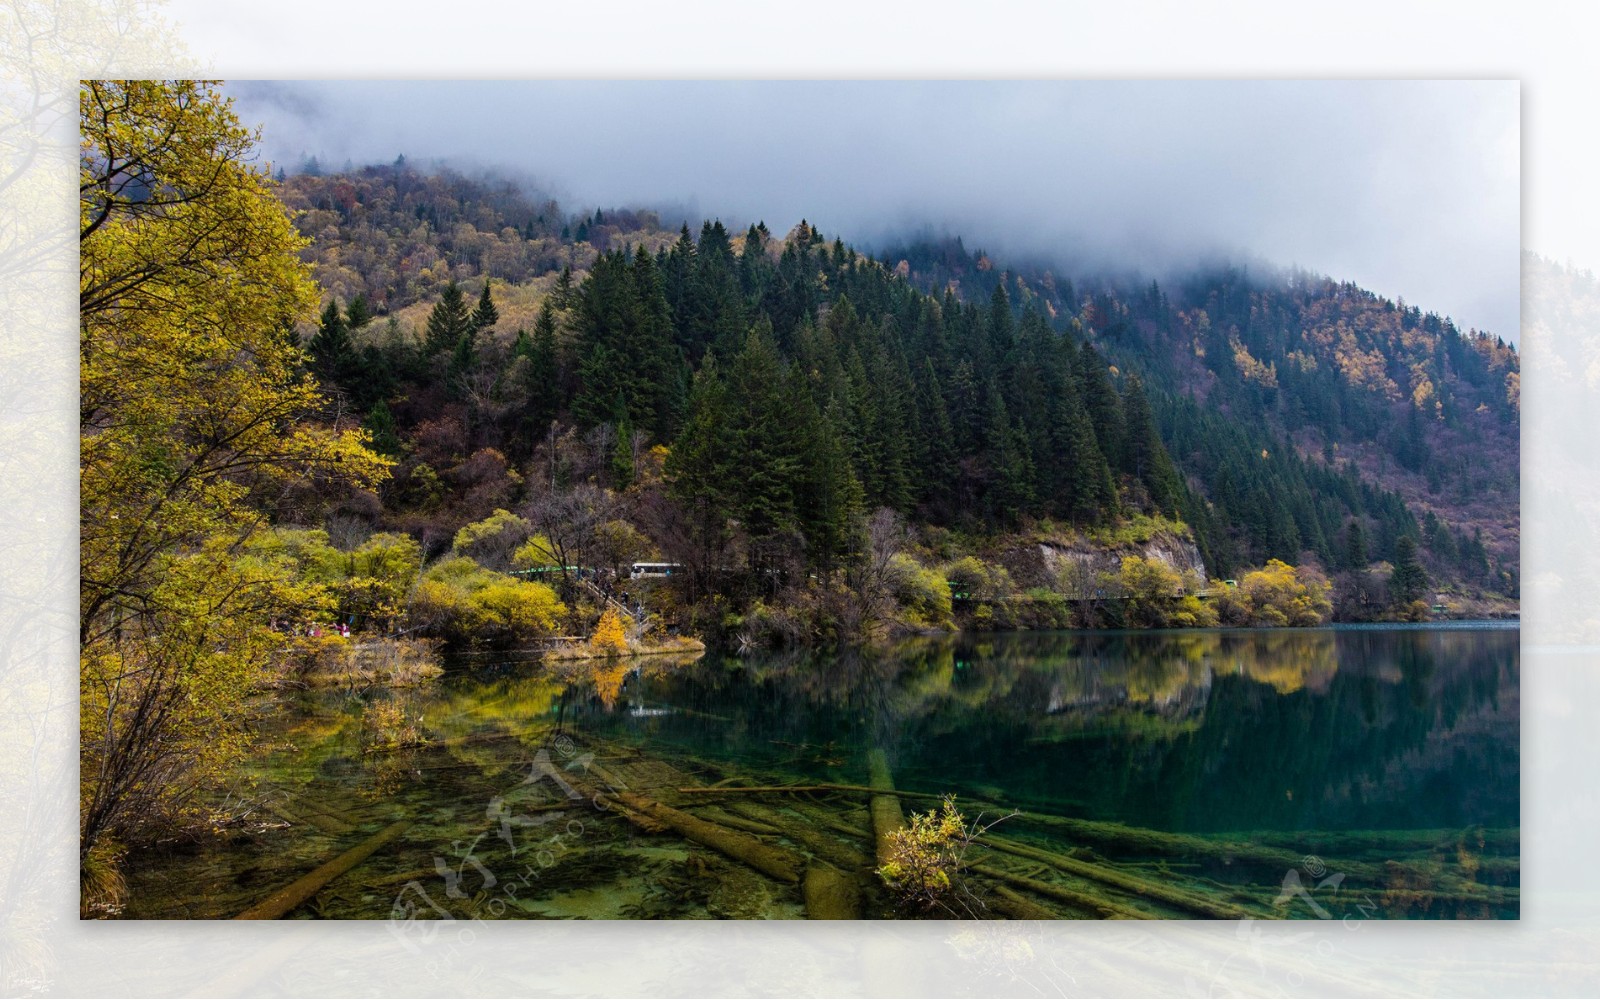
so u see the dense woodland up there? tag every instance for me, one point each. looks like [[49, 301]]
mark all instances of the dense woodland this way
[[501, 350], [419, 405]]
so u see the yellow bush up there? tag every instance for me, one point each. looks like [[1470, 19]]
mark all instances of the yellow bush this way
[[926, 858], [534, 553], [922, 592], [979, 580], [461, 600], [519, 607], [1280, 594], [611, 635]]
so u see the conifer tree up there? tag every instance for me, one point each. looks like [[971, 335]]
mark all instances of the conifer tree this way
[[544, 379], [701, 470], [385, 436], [1144, 456], [622, 469], [1408, 581], [1001, 327], [1100, 399], [1010, 490], [563, 291], [358, 313], [448, 322], [1355, 545], [332, 350], [486, 315], [462, 360]]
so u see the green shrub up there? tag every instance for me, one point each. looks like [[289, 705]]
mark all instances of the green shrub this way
[[465, 603], [923, 871], [979, 580], [921, 591]]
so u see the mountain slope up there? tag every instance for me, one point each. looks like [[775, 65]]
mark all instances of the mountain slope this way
[[1280, 416]]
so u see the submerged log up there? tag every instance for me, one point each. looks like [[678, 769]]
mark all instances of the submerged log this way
[[1125, 881], [769, 860], [292, 895], [797, 789], [323, 807], [822, 817], [1340, 843], [887, 816], [413, 875], [1012, 904], [748, 825], [306, 817], [1121, 839], [1082, 901], [830, 894], [819, 844], [772, 861]]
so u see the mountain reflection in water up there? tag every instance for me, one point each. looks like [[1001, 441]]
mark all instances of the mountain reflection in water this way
[[1360, 744]]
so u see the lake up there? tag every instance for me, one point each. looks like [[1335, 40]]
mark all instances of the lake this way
[[1360, 771]]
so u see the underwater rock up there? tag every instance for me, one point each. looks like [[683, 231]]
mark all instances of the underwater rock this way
[[740, 894], [830, 894]]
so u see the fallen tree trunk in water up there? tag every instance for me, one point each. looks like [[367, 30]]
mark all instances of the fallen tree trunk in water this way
[[1120, 839], [830, 894], [292, 895], [1129, 883], [1011, 904], [793, 789], [747, 824], [1083, 901], [307, 817], [819, 844], [887, 817], [772, 861]]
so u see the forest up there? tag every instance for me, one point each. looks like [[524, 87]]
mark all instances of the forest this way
[[749, 405], [411, 406]]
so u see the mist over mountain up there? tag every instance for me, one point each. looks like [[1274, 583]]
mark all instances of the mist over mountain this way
[[1256, 413], [1408, 188]]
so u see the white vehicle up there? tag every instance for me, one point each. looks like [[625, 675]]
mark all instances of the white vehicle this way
[[642, 570]]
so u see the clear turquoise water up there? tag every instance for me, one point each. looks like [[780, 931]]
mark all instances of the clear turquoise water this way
[[1290, 739]]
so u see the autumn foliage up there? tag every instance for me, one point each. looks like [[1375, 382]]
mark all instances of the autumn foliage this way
[[195, 411], [610, 635]]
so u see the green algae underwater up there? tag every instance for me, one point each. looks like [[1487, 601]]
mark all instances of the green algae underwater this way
[[1341, 773]]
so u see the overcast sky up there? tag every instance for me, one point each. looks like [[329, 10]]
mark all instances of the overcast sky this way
[[1408, 188]]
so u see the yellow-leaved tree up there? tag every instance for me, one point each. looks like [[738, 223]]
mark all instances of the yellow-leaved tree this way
[[195, 413]]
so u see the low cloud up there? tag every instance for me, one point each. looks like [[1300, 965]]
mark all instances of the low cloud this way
[[1408, 188]]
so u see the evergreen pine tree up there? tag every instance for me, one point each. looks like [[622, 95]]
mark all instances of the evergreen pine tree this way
[[702, 468], [544, 382], [1356, 546], [1001, 328], [562, 295], [462, 360], [1101, 401], [486, 315], [622, 470], [448, 322], [1144, 455], [1011, 476], [380, 424], [358, 314], [332, 350], [1408, 581]]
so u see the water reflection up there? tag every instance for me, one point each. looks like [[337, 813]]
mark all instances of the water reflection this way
[[1284, 738], [1324, 729], [1184, 731]]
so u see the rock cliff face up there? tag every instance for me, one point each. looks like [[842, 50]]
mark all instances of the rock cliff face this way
[[1179, 553]]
